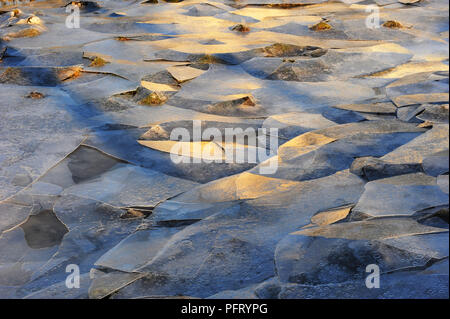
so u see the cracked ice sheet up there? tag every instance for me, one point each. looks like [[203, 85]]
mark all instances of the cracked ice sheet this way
[[100, 88], [58, 35], [301, 96], [144, 116], [128, 185], [219, 83], [89, 173], [296, 96], [333, 65], [400, 195], [425, 20], [133, 71], [36, 134], [433, 141], [92, 228], [244, 230]]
